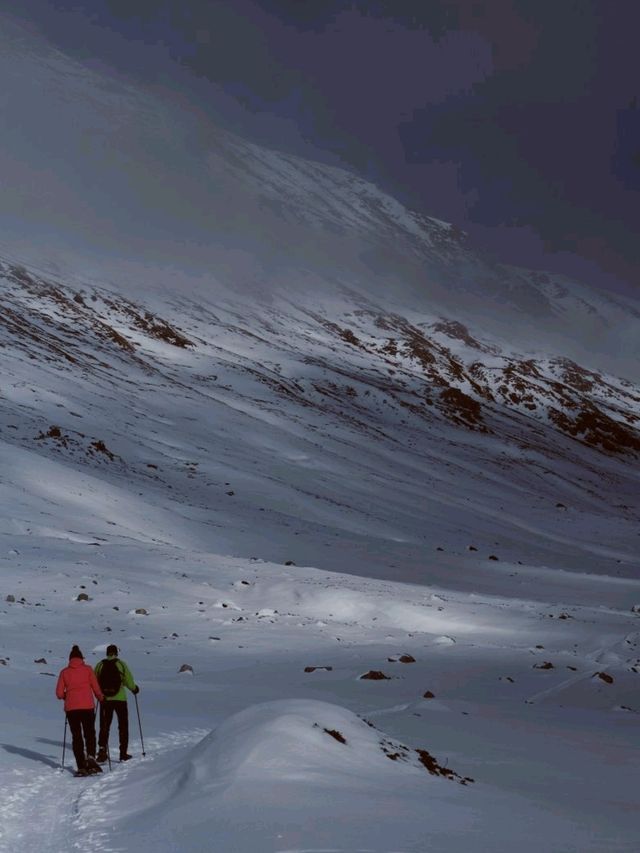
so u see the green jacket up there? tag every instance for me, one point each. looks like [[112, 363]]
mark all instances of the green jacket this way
[[127, 679]]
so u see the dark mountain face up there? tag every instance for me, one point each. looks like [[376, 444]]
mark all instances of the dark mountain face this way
[[121, 185]]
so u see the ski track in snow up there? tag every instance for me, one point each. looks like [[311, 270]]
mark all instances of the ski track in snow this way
[[55, 812]]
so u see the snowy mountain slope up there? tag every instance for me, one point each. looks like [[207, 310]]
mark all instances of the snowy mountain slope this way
[[141, 439], [358, 419]]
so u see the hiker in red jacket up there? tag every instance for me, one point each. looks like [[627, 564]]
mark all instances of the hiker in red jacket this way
[[77, 685]]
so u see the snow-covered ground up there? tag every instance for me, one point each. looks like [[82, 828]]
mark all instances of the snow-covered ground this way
[[240, 754]]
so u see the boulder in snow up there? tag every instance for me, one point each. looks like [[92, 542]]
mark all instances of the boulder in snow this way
[[375, 675]]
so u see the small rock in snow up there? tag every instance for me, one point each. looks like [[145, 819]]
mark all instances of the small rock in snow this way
[[375, 675], [428, 695], [604, 676], [186, 667], [336, 734], [141, 611], [83, 597], [10, 598]]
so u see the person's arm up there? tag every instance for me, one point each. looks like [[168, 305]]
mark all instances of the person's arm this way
[[127, 678], [93, 681], [60, 688]]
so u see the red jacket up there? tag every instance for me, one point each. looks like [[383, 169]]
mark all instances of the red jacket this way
[[77, 685]]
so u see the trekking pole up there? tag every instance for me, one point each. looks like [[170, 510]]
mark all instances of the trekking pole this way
[[64, 742], [135, 696], [109, 757]]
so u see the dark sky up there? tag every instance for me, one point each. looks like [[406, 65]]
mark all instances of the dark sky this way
[[519, 120]]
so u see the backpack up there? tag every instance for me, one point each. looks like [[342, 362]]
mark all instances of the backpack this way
[[110, 678]]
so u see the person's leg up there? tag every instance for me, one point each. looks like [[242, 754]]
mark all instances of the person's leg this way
[[77, 743], [89, 731], [123, 726], [106, 715]]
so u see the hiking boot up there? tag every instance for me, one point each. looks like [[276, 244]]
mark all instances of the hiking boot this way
[[93, 766], [102, 756], [81, 771], [124, 756]]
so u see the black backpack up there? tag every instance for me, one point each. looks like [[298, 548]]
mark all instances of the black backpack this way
[[110, 678]]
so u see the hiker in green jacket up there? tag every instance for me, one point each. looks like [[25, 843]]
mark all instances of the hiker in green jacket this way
[[113, 677]]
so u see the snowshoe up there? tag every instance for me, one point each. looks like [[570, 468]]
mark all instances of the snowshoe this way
[[102, 756], [124, 756], [81, 771]]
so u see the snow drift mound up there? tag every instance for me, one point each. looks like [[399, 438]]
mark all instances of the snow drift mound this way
[[285, 775], [301, 741]]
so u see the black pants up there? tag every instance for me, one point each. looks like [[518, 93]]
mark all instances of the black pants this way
[[106, 715], [82, 723]]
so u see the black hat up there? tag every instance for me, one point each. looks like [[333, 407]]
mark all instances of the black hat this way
[[75, 653], [112, 650]]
